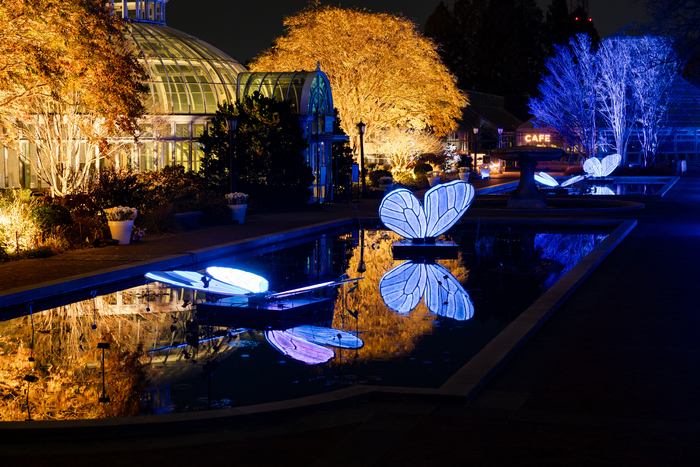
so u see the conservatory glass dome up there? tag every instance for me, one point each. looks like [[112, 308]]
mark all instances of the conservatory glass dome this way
[[186, 75]]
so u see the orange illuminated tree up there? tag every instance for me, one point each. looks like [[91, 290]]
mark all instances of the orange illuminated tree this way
[[67, 77], [382, 70]]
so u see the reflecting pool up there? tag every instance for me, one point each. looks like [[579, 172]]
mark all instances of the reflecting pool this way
[[406, 323]]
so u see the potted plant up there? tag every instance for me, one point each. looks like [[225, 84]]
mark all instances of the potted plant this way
[[433, 177], [121, 220], [464, 173], [237, 203]]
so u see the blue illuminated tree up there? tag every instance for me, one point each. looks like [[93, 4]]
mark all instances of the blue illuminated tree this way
[[615, 57], [568, 99], [655, 69]]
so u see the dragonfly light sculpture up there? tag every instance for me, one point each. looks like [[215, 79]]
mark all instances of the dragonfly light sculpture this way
[[403, 287], [594, 167], [546, 179], [306, 343], [444, 205], [232, 282]]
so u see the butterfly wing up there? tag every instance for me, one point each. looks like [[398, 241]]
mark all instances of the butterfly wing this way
[[572, 180], [445, 205], [445, 296], [401, 212], [609, 164], [239, 278], [593, 167], [298, 348], [546, 179], [402, 287], [601, 190]]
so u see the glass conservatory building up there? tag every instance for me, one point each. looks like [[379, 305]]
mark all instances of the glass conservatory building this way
[[187, 79]]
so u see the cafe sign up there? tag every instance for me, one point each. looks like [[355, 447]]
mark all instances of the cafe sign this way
[[537, 138]]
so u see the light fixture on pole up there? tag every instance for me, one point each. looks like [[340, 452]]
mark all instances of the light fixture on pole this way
[[104, 346], [361, 129], [500, 136], [476, 146], [232, 124]]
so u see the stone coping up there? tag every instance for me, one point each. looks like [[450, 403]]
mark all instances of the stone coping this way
[[460, 388]]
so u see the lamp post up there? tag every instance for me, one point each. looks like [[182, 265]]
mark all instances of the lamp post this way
[[476, 145], [232, 124], [500, 136], [361, 129]]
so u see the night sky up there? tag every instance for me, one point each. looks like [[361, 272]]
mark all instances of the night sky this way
[[244, 29]]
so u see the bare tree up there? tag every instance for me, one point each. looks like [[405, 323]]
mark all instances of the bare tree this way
[[568, 95], [654, 72], [612, 89]]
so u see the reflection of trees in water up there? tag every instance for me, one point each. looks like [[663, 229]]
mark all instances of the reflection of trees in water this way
[[566, 249], [386, 334], [68, 364]]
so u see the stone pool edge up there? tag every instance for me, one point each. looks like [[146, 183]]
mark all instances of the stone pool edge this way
[[460, 388]]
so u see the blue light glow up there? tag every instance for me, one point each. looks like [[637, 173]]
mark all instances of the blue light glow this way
[[445, 204]]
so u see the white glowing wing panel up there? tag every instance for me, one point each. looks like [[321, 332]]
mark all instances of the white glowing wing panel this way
[[327, 336], [401, 212], [593, 167], [445, 296], [546, 179], [445, 205], [239, 278], [609, 164], [402, 287], [297, 348], [195, 281], [572, 180]]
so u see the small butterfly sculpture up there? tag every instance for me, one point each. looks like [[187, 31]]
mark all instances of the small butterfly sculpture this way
[[444, 204], [595, 168], [546, 179], [403, 287]]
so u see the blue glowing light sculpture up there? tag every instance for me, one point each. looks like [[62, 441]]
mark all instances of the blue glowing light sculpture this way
[[594, 167], [444, 205], [546, 179], [403, 287], [306, 343]]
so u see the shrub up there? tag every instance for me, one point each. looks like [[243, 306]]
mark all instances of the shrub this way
[[375, 175], [422, 169]]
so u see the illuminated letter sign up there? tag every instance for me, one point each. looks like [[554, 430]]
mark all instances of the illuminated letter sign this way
[[537, 138]]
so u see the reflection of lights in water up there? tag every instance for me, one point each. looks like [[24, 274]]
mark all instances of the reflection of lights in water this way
[[601, 190], [404, 286]]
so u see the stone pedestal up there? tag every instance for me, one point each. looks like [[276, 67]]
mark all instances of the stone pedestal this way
[[527, 195]]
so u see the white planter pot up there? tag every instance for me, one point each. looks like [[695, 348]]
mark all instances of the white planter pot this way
[[464, 176], [433, 181], [121, 230], [238, 212], [485, 173]]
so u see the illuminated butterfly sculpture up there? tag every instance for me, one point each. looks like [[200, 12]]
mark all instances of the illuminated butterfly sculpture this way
[[306, 343], [444, 205], [403, 287], [546, 179], [594, 167]]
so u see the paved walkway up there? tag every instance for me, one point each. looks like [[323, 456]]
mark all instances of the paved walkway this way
[[611, 379]]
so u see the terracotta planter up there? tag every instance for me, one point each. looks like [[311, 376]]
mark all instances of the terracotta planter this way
[[121, 231], [238, 212]]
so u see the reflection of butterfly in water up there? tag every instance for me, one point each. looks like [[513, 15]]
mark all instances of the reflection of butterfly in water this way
[[595, 168], [546, 179], [403, 287], [444, 204]]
